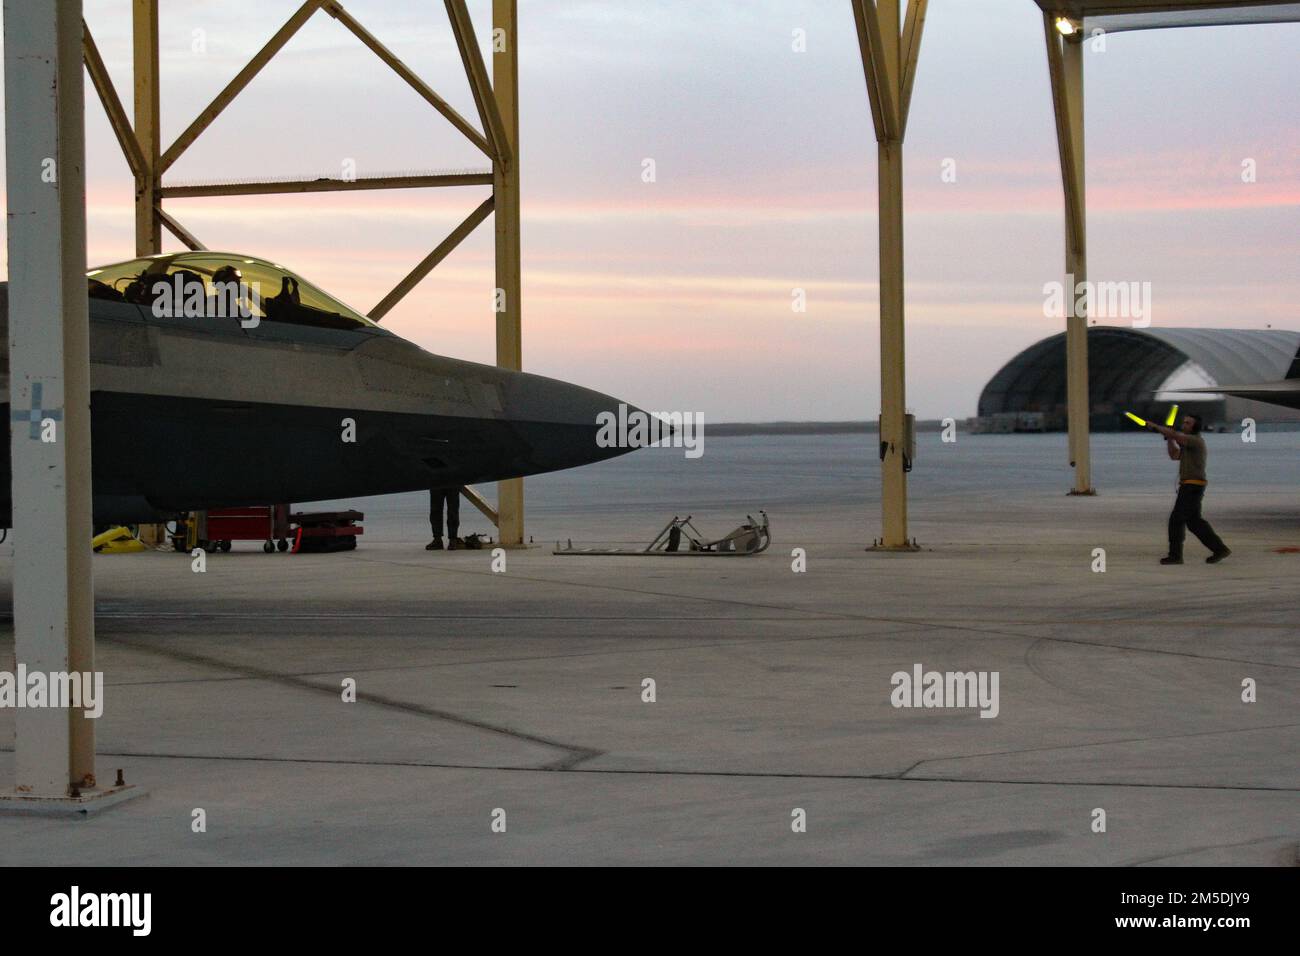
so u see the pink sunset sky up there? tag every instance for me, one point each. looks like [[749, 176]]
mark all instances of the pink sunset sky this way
[[676, 294]]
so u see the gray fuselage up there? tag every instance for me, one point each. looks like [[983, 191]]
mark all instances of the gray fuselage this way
[[198, 413]]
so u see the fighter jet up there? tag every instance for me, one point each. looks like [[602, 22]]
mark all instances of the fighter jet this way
[[1285, 392], [222, 380]]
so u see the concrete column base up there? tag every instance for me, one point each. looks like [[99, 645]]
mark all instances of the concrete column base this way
[[88, 802], [878, 546]]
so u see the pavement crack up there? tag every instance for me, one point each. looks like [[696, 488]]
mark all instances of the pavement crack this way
[[571, 765], [1098, 743], [573, 753]]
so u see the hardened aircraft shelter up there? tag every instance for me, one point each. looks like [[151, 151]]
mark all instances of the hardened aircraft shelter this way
[[1129, 367]]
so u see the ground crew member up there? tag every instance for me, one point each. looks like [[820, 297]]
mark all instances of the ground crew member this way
[[1187, 447], [437, 498]]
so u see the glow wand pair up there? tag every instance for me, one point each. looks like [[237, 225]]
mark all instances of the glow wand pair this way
[[1142, 422]]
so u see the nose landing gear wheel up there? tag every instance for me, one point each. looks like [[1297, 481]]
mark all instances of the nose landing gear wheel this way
[[283, 545], [268, 546]]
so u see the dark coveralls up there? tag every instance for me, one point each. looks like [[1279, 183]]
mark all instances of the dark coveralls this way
[[451, 496], [1187, 506]]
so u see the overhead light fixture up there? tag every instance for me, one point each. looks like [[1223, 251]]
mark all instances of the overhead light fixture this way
[[1066, 27]]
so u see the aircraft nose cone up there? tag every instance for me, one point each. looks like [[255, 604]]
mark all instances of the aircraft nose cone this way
[[564, 425]]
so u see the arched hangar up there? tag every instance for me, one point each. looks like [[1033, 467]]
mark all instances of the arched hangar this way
[[1128, 367]]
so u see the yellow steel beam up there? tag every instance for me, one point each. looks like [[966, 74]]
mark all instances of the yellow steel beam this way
[[911, 52], [148, 135], [893, 387], [475, 70], [889, 63], [401, 69], [505, 89], [882, 30], [428, 263], [879, 87], [1062, 110], [324, 184], [180, 232], [1076, 265], [1065, 69], [479, 502], [117, 118], [887, 40], [148, 228], [235, 86]]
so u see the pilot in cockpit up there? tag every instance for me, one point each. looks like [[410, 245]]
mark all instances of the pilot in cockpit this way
[[231, 298]]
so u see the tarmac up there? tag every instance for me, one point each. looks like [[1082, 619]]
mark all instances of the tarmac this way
[[514, 701]]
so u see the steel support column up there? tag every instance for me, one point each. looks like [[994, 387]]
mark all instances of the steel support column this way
[[148, 225], [1065, 67], [148, 135], [505, 191], [893, 385], [49, 385], [890, 50], [1076, 265]]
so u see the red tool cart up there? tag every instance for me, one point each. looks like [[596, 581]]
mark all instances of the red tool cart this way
[[266, 523], [273, 526]]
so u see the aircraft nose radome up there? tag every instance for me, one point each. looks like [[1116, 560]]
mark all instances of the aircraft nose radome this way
[[560, 422], [537, 398]]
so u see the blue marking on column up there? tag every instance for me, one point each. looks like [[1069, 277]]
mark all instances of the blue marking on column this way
[[36, 415]]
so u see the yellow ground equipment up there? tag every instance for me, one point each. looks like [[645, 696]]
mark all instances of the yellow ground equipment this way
[[116, 541]]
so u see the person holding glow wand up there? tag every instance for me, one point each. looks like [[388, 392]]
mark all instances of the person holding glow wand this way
[[1187, 447]]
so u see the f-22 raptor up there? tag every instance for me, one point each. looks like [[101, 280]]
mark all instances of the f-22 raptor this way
[[222, 380]]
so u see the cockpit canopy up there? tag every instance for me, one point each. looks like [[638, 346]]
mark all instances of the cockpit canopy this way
[[221, 285]]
